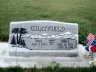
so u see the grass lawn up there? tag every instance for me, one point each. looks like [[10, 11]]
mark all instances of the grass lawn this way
[[48, 69], [82, 12]]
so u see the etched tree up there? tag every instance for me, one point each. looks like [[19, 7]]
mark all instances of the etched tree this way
[[24, 43], [19, 32], [13, 40], [15, 31], [22, 31]]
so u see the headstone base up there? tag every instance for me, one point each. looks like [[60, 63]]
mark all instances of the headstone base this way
[[44, 53], [40, 62], [79, 61]]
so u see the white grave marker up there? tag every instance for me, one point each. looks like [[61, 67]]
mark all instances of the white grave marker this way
[[43, 38]]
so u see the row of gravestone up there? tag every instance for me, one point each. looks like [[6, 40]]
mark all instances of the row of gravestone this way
[[43, 38]]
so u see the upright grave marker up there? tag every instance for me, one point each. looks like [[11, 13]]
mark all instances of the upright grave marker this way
[[43, 38]]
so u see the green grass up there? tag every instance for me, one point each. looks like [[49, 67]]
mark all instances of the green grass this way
[[48, 69], [82, 12]]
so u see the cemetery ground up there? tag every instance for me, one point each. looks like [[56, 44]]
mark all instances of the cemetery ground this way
[[82, 12]]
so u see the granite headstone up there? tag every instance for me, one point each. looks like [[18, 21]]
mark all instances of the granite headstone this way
[[43, 38]]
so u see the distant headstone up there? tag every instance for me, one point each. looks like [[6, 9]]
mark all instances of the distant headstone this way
[[43, 38]]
